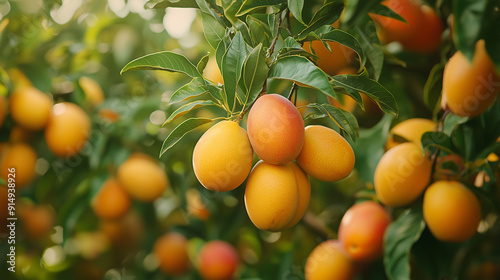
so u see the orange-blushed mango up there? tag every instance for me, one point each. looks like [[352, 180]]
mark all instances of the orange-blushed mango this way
[[362, 229], [326, 155], [275, 129]]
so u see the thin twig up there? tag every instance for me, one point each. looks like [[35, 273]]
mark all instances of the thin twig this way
[[275, 40], [316, 225]]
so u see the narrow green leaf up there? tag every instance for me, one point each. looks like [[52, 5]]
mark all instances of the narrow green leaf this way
[[190, 90], [367, 36], [181, 130], [439, 140], [254, 74], [242, 28], [385, 11], [291, 43], [300, 69], [232, 65], [162, 4], [213, 30], [398, 239], [232, 9], [221, 50], [295, 7], [345, 39], [259, 31], [345, 120], [203, 63], [188, 107], [327, 15], [216, 93], [371, 88], [210, 7], [433, 86], [469, 16], [249, 5], [167, 61]]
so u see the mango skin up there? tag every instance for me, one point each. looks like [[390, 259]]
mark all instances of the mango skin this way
[[275, 129], [222, 158], [402, 174], [470, 88], [329, 260], [326, 155], [451, 211], [304, 195], [362, 229], [271, 196], [218, 260], [142, 178]]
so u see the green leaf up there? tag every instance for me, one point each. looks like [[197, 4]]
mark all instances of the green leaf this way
[[213, 30], [203, 63], [162, 4], [385, 11], [296, 7], [469, 16], [371, 88], [399, 238], [221, 50], [327, 15], [216, 93], [232, 66], [167, 61], [249, 5], [370, 147], [300, 69], [181, 130], [433, 86], [367, 36], [254, 74], [232, 9], [259, 31], [345, 39], [193, 89], [492, 40], [188, 107], [242, 28], [438, 140], [345, 120]]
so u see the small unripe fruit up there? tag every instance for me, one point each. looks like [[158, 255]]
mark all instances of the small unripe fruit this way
[[30, 108], [67, 130], [326, 155], [329, 260], [172, 254], [362, 229], [452, 212], [275, 129], [23, 158], [470, 88], [402, 174], [217, 260], [112, 201], [223, 157], [142, 178], [271, 196]]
